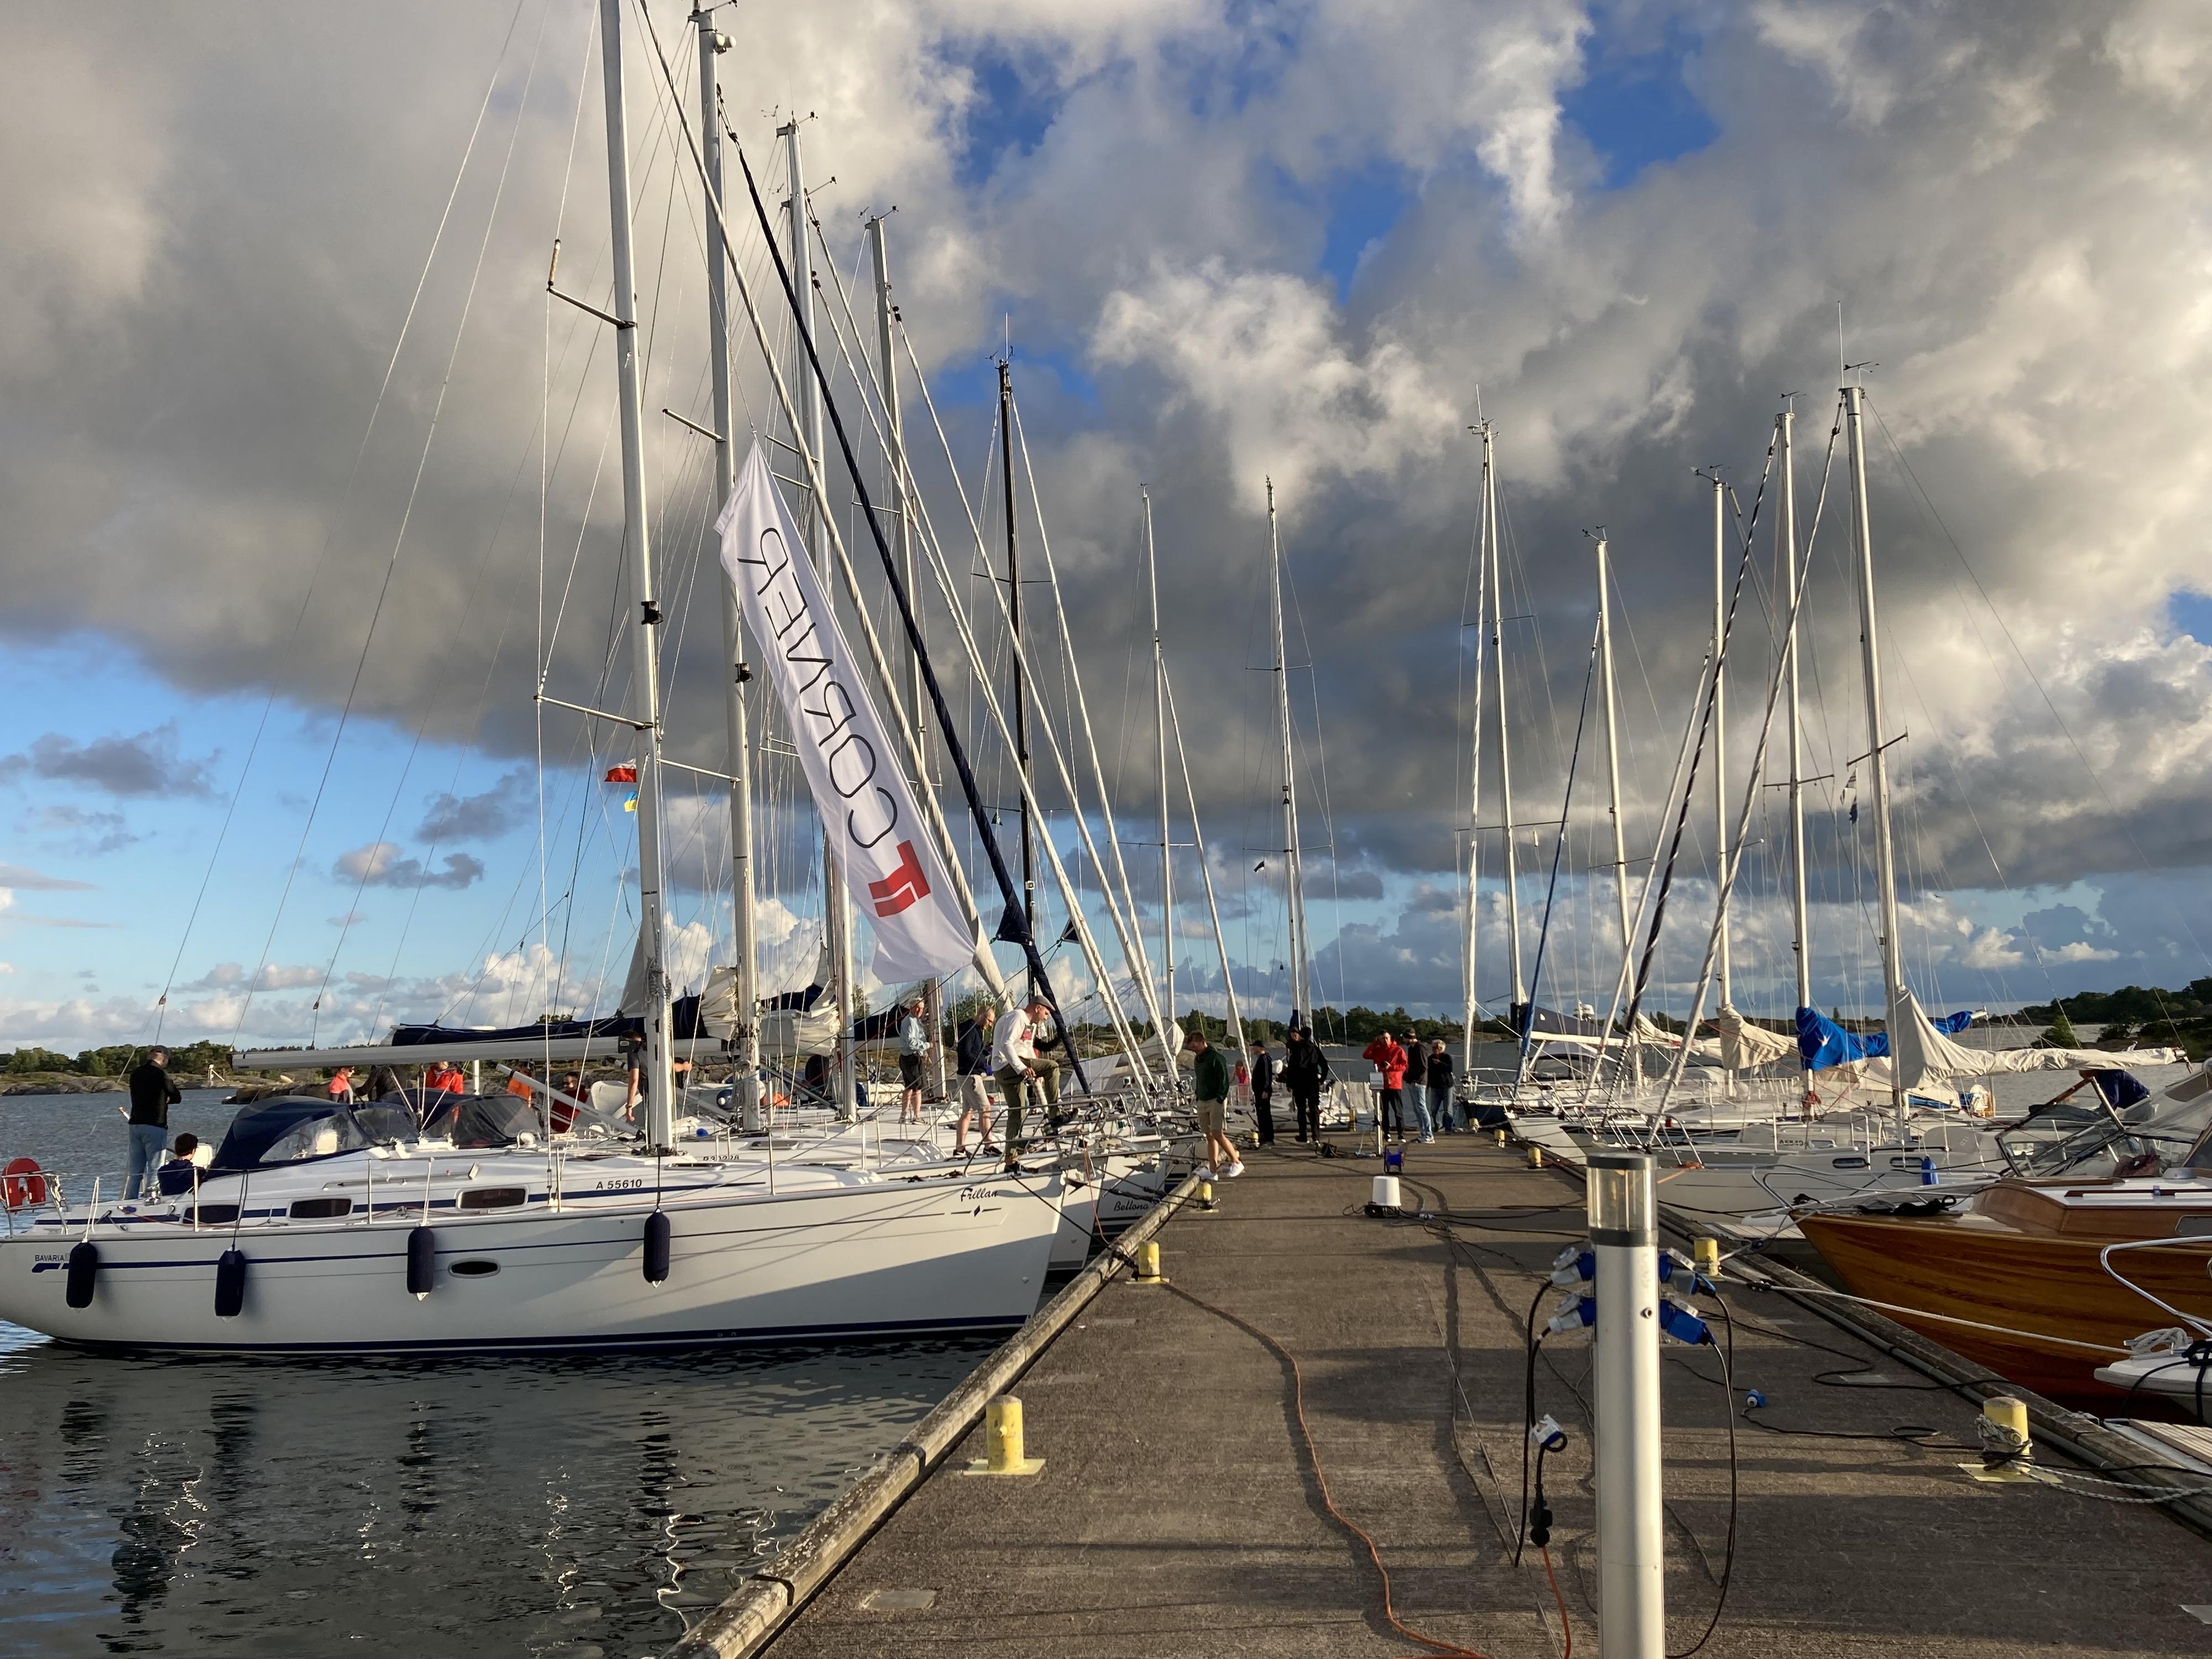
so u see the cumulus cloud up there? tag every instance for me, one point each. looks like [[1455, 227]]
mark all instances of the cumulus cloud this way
[[85, 831], [485, 816], [148, 764], [383, 864]]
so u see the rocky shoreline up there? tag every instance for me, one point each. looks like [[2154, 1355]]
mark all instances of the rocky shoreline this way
[[75, 1083]]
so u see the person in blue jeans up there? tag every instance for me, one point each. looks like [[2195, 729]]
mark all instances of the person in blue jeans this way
[[1441, 1078], [1417, 1087], [153, 1092]]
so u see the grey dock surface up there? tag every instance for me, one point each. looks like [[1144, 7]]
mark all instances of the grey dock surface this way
[[1180, 1513]]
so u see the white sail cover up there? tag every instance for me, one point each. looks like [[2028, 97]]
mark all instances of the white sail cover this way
[[869, 815], [1922, 1053]]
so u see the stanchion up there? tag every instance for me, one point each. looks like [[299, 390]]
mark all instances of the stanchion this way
[[1631, 1544]]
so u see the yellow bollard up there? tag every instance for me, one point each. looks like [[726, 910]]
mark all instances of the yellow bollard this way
[[1707, 1252], [1002, 1440], [1148, 1264], [1500, 1134], [2005, 1439], [1535, 1156], [1205, 1195]]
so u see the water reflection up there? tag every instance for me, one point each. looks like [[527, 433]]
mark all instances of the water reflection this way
[[454, 1507]]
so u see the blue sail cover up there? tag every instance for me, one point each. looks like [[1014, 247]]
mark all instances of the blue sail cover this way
[[1821, 1043]]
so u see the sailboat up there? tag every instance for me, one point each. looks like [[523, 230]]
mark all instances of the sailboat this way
[[326, 1227], [1753, 1139]]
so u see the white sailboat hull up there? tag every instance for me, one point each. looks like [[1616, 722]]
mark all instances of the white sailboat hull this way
[[890, 1260]]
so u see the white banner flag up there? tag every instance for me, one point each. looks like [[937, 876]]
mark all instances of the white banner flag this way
[[868, 812]]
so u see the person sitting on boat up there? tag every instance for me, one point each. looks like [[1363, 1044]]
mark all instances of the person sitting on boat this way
[[443, 1077], [184, 1163], [1017, 1064], [1387, 1057], [564, 1112], [975, 1057], [914, 1048], [342, 1084]]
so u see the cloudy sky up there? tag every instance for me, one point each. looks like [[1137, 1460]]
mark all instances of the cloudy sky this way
[[309, 481]]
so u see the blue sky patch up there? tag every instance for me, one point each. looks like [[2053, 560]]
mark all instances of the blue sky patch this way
[[2191, 613], [1639, 111]]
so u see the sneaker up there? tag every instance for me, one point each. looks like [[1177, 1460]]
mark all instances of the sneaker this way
[[1233, 1170], [1204, 1174], [989, 1151], [1428, 1141]]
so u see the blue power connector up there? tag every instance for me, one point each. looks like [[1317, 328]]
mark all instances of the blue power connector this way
[[1680, 1322], [1674, 1262], [1574, 1313], [1575, 1264]]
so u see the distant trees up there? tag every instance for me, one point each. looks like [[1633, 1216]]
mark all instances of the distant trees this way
[[114, 1058]]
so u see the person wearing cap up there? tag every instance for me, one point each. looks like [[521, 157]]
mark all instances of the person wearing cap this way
[[1017, 1064], [914, 1049]]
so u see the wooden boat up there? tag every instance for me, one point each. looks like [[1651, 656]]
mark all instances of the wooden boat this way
[[2016, 1275]]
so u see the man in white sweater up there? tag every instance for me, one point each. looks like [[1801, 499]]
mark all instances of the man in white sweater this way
[[1016, 1063]]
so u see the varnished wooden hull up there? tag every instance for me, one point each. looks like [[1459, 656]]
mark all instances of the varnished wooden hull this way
[[2070, 1315]]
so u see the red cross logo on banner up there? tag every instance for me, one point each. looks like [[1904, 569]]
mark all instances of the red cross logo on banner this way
[[903, 886]]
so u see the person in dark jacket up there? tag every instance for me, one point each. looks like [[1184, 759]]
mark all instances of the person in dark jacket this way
[[1441, 1078], [974, 1050], [1263, 1092], [153, 1092], [1305, 1072]]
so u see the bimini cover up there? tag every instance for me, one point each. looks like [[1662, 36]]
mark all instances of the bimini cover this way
[[1821, 1043], [287, 1128], [484, 1119]]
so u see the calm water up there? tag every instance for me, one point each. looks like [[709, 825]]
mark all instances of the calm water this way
[[457, 1507]]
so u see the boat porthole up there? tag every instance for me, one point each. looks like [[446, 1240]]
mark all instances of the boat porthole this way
[[476, 1269]]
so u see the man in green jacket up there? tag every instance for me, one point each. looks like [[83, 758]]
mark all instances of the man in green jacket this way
[[1209, 1082]]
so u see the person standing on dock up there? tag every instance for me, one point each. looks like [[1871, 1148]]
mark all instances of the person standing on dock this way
[[914, 1048], [1387, 1057], [1017, 1064], [975, 1058], [1263, 1092], [1441, 1078], [1209, 1088], [153, 1092], [1305, 1072]]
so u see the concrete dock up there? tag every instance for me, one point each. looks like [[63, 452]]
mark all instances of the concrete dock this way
[[1181, 1512]]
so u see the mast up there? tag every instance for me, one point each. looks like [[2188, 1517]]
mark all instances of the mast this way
[[1611, 740], [1893, 973], [1014, 626], [917, 696], [745, 1039], [1294, 879], [1504, 742], [658, 1078], [1160, 727], [836, 904], [1474, 805], [1720, 731], [1785, 537]]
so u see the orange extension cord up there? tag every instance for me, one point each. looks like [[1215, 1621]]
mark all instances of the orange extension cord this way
[[1320, 1479]]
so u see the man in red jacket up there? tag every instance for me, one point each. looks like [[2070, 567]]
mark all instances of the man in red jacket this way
[[1387, 1057]]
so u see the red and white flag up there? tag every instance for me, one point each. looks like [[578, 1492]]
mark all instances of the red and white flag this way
[[870, 815]]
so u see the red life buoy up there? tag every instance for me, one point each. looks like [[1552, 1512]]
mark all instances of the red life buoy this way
[[23, 1184]]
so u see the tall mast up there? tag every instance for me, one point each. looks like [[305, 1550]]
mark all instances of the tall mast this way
[[1475, 803], [1785, 537], [1014, 625], [658, 1077], [1611, 740], [1504, 741], [745, 1039], [836, 904], [1885, 859], [917, 695], [1294, 876], [1720, 729], [1160, 726]]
